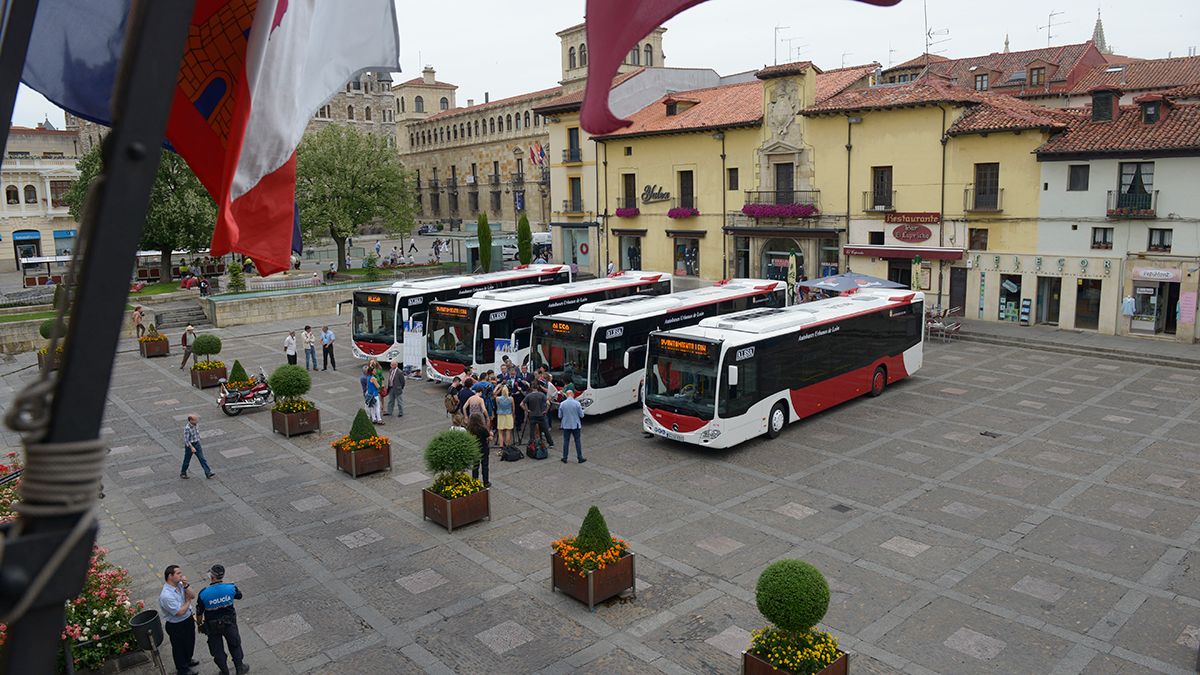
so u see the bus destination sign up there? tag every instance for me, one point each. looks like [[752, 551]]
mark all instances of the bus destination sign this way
[[557, 328], [450, 311], [688, 348]]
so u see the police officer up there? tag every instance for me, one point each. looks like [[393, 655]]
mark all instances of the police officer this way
[[214, 608]]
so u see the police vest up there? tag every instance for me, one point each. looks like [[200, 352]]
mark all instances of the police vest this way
[[217, 600]]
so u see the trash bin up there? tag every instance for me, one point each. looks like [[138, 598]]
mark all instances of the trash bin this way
[[147, 629]]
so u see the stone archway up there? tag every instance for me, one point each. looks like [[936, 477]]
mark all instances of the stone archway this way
[[774, 260]]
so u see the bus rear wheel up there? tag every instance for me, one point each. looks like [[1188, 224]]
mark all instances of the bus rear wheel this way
[[878, 381], [777, 421]]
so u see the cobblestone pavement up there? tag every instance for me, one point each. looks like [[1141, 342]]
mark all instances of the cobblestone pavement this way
[[1005, 510]]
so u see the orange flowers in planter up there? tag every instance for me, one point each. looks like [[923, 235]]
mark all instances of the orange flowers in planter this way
[[346, 444], [582, 561]]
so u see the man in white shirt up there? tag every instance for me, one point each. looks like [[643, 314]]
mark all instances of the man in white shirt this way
[[310, 348], [289, 347], [175, 605]]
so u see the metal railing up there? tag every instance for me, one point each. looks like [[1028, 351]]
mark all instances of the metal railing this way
[[518, 178], [783, 197], [572, 206], [572, 155], [494, 178], [879, 202], [545, 177], [987, 200], [684, 202], [433, 182], [1132, 204], [627, 202]]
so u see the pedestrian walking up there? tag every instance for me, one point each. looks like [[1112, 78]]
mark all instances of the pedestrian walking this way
[[348, 260], [175, 604], [395, 389], [327, 338], [189, 336], [216, 613], [138, 317], [289, 347], [477, 426], [370, 390], [535, 406], [310, 348], [571, 414], [378, 248], [412, 244], [191, 446]]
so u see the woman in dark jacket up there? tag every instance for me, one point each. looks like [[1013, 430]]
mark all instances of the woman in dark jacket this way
[[477, 426]]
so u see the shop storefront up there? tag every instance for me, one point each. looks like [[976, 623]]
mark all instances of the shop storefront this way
[[575, 246], [27, 244], [629, 248], [1010, 297], [765, 252], [64, 242], [1156, 306], [685, 251], [917, 267]]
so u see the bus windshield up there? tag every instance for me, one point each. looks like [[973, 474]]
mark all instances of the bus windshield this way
[[451, 332], [374, 318], [562, 349], [681, 377]]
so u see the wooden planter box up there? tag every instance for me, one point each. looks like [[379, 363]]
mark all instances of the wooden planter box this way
[[55, 360], [155, 348], [752, 665], [598, 585], [203, 379], [452, 513], [291, 424], [362, 462]]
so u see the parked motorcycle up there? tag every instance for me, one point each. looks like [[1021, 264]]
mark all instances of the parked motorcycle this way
[[234, 401]]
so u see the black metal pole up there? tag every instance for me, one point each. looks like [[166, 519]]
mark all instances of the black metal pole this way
[[17, 27], [153, 50]]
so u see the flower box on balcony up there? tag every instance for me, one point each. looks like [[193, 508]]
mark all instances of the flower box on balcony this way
[[780, 210], [683, 212], [1126, 212], [628, 212]]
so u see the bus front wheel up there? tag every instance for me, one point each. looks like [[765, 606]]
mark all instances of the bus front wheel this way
[[878, 381], [777, 421]]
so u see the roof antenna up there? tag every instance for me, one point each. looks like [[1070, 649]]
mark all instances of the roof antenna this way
[[777, 29], [930, 33], [1051, 25]]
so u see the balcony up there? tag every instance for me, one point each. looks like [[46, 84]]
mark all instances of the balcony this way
[[627, 202], [572, 155], [518, 178], [782, 204], [433, 183], [452, 183], [572, 206], [989, 200], [879, 202], [544, 180], [1132, 204], [494, 178]]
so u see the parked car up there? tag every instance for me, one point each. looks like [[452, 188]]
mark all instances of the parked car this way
[[509, 251], [427, 228]]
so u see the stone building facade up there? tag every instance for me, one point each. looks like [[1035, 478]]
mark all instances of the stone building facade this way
[[365, 103], [38, 169]]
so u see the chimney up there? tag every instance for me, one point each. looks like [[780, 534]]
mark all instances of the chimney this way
[[486, 97], [428, 75], [470, 102]]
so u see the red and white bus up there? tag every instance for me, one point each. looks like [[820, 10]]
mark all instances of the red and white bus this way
[[479, 331], [735, 377], [600, 348], [389, 322]]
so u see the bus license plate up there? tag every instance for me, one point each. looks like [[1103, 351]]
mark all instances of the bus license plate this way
[[667, 434]]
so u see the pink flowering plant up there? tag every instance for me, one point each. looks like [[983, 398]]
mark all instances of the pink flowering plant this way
[[780, 210], [683, 212], [628, 212], [98, 619]]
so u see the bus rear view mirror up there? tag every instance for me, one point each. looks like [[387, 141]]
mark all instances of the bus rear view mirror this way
[[604, 351], [733, 376], [625, 360], [404, 315], [487, 331]]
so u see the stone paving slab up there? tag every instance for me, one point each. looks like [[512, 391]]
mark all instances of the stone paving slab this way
[[1065, 542]]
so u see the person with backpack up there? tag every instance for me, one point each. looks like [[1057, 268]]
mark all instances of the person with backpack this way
[[450, 401], [477, 426], [466, 392], [504, 416]]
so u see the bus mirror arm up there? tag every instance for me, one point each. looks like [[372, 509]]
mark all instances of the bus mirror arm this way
[[733, 376]]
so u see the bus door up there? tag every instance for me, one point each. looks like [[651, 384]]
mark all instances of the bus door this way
[[412, 319]]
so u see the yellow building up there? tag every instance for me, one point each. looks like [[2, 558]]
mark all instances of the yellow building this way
[[39, 168], [938, 188]]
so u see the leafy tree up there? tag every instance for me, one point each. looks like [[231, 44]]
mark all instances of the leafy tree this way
[[290, 382], [180, 216], [593, 533], [206, 345], [452, 452], [362, 428], [484, 233], [524, 240], [346, 178], [238, 372], [371, 271], [237, 280], [792, 594]]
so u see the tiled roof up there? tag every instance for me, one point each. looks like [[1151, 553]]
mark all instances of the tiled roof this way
[[574, 100], [420, 82], [1143, 75], [785, 69], [725, 106], [41, 130], [1177, 130], [920, 61], [988, 111], [833, 82], [1007, 64], [1186, 91], [454, 112]]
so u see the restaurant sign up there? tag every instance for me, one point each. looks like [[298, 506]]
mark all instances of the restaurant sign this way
[[912, 233], [912, 218]]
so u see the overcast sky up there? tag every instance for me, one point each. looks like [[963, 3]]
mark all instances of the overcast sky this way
[[507, 49]]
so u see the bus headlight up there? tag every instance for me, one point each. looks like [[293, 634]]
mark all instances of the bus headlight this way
[[585, 402], [710, 434], [648, 422]]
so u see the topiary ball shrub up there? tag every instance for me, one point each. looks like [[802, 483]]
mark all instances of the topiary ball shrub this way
[[593, 533], [792, 594], [452, 452], [238, 373], [289, 381], [362, 428], [47, 328], [206, 345]]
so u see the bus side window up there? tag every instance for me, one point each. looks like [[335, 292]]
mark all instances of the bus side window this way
[[521, 337], [737, 399]]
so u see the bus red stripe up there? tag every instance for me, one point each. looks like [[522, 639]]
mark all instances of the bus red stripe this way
[[677, 422], [447, 368], [828, 393]]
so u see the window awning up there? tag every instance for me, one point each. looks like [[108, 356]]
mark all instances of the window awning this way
[[905, 252], [26, 235], [691, 234], [628, 232], [781, 231]]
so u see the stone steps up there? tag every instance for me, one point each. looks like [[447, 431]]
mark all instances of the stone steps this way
[[178, 317]]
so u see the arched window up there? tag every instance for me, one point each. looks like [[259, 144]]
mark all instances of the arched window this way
[[350, 112], [537, 120], [635, 55], [30, 194], [571, 58], [649, 60], [444, 104], [412, 139], [367, 115], [12, 194], [462, 129], [477, 127], [508, 125], [454, 133], [582, 56], [518, 121], [419, 104], [491, 126], [400, 104], [526, 119]]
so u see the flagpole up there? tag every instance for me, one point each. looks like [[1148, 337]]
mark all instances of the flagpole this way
[[48, 548]]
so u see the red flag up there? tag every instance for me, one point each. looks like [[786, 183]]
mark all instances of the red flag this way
[[614, 27]]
